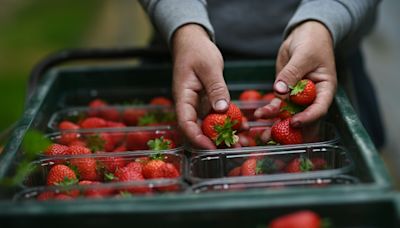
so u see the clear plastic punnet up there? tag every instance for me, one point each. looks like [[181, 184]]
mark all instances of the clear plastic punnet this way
[[223, 185], [274, 164], [113, 140], [141, 167]]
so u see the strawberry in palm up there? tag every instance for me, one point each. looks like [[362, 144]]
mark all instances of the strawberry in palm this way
[[303, 93], [221, 127]]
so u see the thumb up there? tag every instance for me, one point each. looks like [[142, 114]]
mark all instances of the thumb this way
[[217, 91], [298, 66]]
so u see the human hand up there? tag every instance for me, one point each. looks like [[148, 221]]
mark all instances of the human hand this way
[[197, 78], [306, 53]]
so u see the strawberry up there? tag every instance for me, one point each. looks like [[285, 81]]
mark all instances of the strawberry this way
[[272, 165], [100, 142], [86, 168], [136, 166], [235, 115], [98, 191], [61, 175], [161, 101], [170, 171], [131, 116], [161, 144], [250, 95], [77, 150], [121, 148], [77, 142], [94, 105], [219, 128], [93, 122], [299, 165], [288, 109], [319, 163], [268, 96], [55, 150], [303, 93], [44, 196], [154, 169], [235, 172], [67, 138], [110, 114], [129, 174], [137, 140], [250, 167], [111, 164], [283, 133], [298, 219], [63, 197]]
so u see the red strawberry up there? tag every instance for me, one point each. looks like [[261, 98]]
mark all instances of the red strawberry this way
[[97, 191], [55, 150], [45, 196], [111, 164], [161, 144], [63, 197], [268, 96], [61, 175], [303, 93], [250, 95], [77, 150], [110, 114], [94, 106], [129, 174], [67, 138], [235, 115], [284, 134], [161, 101], [300, 219], [251, 167], [154, 169], [235, 172], [319, 163], [131, 116], [219, 128], [86, 167], [100, 142], [170, 171], [136, 166], [299, 165], [121, 148], [137, 140], [77, 142], [246, 140], [93, 122]]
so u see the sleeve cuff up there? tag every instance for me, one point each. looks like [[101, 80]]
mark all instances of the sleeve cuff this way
[[332, 14], [169, 15]]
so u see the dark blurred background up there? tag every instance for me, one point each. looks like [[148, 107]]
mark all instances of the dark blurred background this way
[[30, 30]]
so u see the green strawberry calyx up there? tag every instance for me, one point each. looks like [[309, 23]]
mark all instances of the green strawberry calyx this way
[[226, 134], [268, 166], [95, 143], [159, 144], [291, 107], [67, 182], [299, 87], [305, 164], [157, 156]]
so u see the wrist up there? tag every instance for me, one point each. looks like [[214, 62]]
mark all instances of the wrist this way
[[315, 28], [187, 33]]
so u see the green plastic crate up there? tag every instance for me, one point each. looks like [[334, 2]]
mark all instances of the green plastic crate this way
[[76, 85]]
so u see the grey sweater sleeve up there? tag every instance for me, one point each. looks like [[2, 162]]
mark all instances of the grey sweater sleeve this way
[[345, 19], [168, 15]]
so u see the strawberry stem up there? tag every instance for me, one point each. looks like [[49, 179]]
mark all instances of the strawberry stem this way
[[226, 134], [299, 87]]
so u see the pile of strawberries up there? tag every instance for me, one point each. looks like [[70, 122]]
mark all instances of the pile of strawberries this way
[[100, 114], [261, 165], [95, 170]]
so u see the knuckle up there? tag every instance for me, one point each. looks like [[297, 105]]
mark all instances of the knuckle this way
[[292, 73]]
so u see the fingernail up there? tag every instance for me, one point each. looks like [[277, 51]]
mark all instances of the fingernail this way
[[281, 87], [221, 105]]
